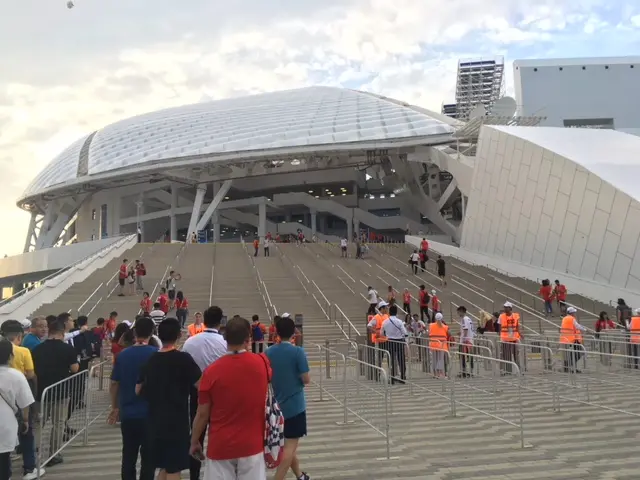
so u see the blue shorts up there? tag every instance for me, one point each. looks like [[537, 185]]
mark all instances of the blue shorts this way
[[296, 427]]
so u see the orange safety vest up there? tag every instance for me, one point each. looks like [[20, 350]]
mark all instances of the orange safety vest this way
[[568, 331], [438, 335], [376, 336], [509, 327], [634, 329], [195, 329]]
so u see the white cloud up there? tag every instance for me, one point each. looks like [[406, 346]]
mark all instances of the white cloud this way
[[71, 72]]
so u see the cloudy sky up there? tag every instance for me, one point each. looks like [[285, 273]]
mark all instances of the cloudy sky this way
[[68, 72]]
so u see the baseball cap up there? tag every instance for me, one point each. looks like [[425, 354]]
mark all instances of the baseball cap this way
[[637, 311], [127, 323], [439, 316], [508, 305], [25, 323], [571, 310], [383, 304], [285, 315], [433, 292]]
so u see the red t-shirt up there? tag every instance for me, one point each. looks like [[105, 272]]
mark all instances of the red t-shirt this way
[[110, 324], [140, 270], [406, 298], [435, 303], [561, 292], [182, 304], [116, 348], [163, 300], [236, 387], [545, 292], [424, 245], [100, 332], [145, 305], [123, 271], [424, 298]]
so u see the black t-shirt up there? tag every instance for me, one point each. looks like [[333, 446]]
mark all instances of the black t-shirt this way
[[166, 381], [440, 263], [52, 360]]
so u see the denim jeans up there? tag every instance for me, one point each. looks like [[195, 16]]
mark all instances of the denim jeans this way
[[28, 445], [548, 307]]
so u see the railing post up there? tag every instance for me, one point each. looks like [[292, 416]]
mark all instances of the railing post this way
[[87, 408], [328, 358]]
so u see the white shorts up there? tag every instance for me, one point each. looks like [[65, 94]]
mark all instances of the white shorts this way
[[247, 468]]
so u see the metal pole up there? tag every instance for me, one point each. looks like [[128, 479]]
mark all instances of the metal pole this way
[[345, 385], [328, 358], [87, 408], [386, 417], [520, 407]]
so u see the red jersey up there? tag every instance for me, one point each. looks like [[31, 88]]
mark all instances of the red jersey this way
[[424, 298], [100, 332], [406, 298], [163, 300], [182, 304], [272, 333], [546, 293], [561, 292], [435, 303], [110, 325], [424, 245], [123, 271], [141, 270], [237, 386], [256, 243], [145, 305]]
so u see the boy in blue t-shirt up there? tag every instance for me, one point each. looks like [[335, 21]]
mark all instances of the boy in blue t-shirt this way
[[290, 375], [130, 408]]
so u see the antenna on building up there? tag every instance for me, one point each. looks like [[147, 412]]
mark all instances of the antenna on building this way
[[504, 107], [477, 112]]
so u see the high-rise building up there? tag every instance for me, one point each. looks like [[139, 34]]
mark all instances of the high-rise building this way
[[480, 81]]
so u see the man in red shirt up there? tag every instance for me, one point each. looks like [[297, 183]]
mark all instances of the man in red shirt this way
[[560, 292], [547, 295], [237, 385], [424, 303], [436, 306], [163, 300], [141, 271], [122, 275], [424, 246]]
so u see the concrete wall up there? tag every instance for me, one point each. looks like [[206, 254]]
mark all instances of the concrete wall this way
[[51, 258], [88, 227], [535, 207], [561, 90]]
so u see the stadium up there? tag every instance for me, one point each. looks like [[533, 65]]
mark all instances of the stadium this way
[[504, 201]]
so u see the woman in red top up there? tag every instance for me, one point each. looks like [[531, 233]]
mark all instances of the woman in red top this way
[[406, 301], [182, 309], [436, 306], [272, 332], [122, 338], [163, 300], [145, 303], [546, 292]]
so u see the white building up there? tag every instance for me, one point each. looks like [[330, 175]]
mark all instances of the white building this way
[[581, 92]]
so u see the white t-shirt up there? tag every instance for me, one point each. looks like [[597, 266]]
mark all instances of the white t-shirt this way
[[415, 257], [372, 296], [266, 242], [466, 330], [15, 394], [343, 242]]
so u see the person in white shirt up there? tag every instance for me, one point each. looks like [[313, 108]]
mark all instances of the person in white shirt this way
[[343, 247], [414, 259], [15, 398], [466, 340], [393, 328], [156, 314], [267, 244], [372, 298], [205, 348]]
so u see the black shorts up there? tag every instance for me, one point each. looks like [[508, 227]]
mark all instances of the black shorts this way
[[296, 427], [172, 294], [171, 455], [121, 281], [441, 273], [344, 249]]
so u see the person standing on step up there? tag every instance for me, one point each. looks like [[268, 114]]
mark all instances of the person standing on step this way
[[141, 271], [343, 247], [267, 244], [157, 314], [123, 273], [423, 297], [414, 259], [436, 306], [372, 298], [256, 246], [163, 300], [466, 340], [145, 303], [393, 328], [258, 331], [182, 309], [441, 267], [171, 287], [406, 301]]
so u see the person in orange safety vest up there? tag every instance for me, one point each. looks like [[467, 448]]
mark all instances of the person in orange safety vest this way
[[571, 339], [374, 327], [510, 335], [438, 344], [197, 327], [633, 326]]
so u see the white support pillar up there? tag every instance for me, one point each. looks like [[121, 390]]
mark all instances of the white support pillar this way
[[217, 200], [356, 229], [173, 229], [350, 226], [262, 221], [447, 194], [30, 232], [215, 220], [314, 221], [195, 214]]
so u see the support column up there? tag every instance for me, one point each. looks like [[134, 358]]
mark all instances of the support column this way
[[350, 226], [139, 213], [215, 220], [356, 229], [30, 232], [217, 200], [262, 221], [314, 219], [173, 229], [195, 214]]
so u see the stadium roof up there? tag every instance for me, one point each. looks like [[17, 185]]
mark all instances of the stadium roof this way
[[611, 155], [320, 118]]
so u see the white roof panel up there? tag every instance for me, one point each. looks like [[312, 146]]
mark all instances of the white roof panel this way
[[313, 116], [61, 169], [611, 155]]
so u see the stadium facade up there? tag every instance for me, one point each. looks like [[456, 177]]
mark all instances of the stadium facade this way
[[333, 161]]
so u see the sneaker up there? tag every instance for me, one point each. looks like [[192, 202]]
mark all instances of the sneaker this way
[[304, 476], [33, 474]]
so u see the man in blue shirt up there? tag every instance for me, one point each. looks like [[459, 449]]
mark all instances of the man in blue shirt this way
[[37, 334], [290, 375], [130, 408]]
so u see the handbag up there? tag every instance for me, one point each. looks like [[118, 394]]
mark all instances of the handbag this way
[[274, 427]]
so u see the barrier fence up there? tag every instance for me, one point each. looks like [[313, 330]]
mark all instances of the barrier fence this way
[[68, 408]]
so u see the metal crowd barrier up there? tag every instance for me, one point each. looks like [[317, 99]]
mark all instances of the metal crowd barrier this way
[[68, 408]]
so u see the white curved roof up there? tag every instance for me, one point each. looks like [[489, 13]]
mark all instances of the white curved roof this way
[[313, 116]]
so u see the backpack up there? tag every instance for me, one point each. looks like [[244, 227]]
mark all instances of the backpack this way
[[274, 427]]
